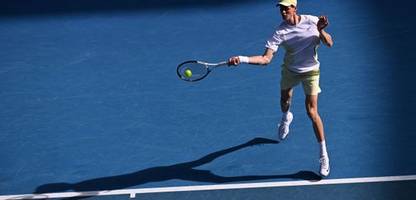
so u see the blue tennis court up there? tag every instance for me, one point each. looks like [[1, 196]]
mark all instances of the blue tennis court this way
[[90, 101]]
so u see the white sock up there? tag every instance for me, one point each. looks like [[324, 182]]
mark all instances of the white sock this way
[[324, 153]]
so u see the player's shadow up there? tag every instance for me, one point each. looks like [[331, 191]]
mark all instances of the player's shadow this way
[[181, 171]]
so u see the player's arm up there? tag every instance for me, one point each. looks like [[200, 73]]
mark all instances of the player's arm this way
[[325, 37], [264, 59]]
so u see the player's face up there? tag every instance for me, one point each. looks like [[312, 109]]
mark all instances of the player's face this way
[[287, 12]]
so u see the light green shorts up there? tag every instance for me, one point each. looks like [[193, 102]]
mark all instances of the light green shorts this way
[[309, 80]]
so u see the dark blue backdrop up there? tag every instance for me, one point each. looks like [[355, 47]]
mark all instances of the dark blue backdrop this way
[[89, 94]]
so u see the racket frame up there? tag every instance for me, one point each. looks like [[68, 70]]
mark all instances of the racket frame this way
[[208, 66]]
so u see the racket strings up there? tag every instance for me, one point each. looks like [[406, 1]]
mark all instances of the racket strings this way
[[192, 71]]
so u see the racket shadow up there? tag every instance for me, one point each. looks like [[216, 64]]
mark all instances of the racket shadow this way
[[182, 171]]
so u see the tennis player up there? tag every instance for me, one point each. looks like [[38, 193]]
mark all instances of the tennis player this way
[[300, 36]]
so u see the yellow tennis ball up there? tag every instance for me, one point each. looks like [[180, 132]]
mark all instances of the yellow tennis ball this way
[[188, 73]]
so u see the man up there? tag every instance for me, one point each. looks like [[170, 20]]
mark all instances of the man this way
[[300, 36]]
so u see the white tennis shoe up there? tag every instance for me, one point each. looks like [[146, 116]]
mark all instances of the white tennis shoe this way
[[283, 127], [324, 161]]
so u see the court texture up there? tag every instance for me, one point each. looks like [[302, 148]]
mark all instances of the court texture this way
[[91, 106]]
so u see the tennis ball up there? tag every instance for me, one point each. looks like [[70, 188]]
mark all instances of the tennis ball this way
[[188, 73]]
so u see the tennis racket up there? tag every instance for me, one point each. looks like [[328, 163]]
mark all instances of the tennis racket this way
[[194, 70]]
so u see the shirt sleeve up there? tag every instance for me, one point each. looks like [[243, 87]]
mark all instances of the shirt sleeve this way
[[314, 19], [274, 42]]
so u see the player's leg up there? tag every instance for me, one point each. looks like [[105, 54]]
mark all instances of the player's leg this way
[[287, 116], [287, 83], [312, 89], [285, 99], [311, 103]]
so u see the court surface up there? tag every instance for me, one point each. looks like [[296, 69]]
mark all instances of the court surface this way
[[90, 102]]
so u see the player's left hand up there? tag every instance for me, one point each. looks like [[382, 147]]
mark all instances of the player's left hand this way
[[322, 22]]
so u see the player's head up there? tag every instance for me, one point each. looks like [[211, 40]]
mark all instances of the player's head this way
[[287, 8], [288, 3]]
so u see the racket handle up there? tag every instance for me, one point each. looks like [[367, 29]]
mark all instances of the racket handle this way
[[223, 63]]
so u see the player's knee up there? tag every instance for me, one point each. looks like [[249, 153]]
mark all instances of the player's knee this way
[[312, 113]]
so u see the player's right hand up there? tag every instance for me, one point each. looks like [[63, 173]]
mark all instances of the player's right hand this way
[[234, 61]]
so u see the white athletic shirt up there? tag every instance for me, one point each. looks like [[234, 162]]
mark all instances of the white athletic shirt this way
[[300, 42]]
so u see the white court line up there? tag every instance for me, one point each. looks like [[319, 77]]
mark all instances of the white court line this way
[[132, 192]]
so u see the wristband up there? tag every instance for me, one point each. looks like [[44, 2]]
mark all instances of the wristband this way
[[243, 59]]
